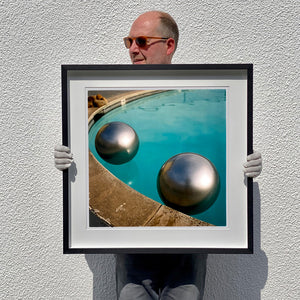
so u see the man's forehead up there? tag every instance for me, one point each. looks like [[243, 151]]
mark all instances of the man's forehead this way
[[145, 25]]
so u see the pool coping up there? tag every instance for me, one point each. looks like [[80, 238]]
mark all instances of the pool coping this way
[[116, 203]]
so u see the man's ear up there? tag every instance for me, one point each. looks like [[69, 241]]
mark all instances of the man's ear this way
[[170, 46]]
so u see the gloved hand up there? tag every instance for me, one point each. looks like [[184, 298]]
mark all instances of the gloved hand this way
[[253, 166], [63, 157]]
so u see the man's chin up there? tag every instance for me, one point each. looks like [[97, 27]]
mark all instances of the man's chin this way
[[139, 62]]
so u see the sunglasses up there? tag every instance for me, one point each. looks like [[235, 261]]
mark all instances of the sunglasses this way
[[141, 41]]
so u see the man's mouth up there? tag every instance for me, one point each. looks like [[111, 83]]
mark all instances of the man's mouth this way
[[138, 61]]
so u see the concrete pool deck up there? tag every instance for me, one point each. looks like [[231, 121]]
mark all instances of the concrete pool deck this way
[[117, 204]]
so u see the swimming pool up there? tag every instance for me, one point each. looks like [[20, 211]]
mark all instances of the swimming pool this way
[[169, 123]]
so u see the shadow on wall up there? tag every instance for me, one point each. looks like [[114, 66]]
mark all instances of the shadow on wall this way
[[228, 276], [240, 276], [104, 281]]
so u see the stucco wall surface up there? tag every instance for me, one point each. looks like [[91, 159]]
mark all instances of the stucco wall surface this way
[[36, 37]]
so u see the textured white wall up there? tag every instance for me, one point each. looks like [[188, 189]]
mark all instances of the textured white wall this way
[[38, 36]]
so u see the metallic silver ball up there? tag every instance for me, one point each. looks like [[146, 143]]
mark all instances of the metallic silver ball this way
[[117, 142], [188, 182]]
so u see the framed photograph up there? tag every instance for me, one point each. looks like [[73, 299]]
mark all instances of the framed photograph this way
[[158, 154]]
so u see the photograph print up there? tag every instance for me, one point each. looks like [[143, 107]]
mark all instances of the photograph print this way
[[157, 157]]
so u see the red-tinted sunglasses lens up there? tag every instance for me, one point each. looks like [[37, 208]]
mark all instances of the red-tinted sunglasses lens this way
[[140, 41], [128, 42]]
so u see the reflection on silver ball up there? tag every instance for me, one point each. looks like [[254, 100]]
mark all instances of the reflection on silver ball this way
[[117, 142], [188, 182]]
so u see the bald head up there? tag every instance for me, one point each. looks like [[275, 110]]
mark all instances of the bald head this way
[[166, 25], [157, 51]]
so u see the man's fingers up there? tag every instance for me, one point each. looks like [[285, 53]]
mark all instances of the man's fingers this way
[[62, 161], [61, 151], [63, 157], [256, 162], [255, 155], [62, 148], [58, 154], [252, 169], [62, 167], [252, 174], [253, 166]]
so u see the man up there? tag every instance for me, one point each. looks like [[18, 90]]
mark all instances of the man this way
[[153, 39], [160, 48]]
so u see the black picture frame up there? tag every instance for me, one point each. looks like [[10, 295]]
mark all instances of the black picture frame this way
[[76, 80]]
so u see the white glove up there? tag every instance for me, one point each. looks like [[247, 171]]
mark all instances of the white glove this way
[[63, 157], [253, 166]]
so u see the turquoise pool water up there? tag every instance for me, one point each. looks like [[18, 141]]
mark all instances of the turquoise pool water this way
[[167, 124]]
